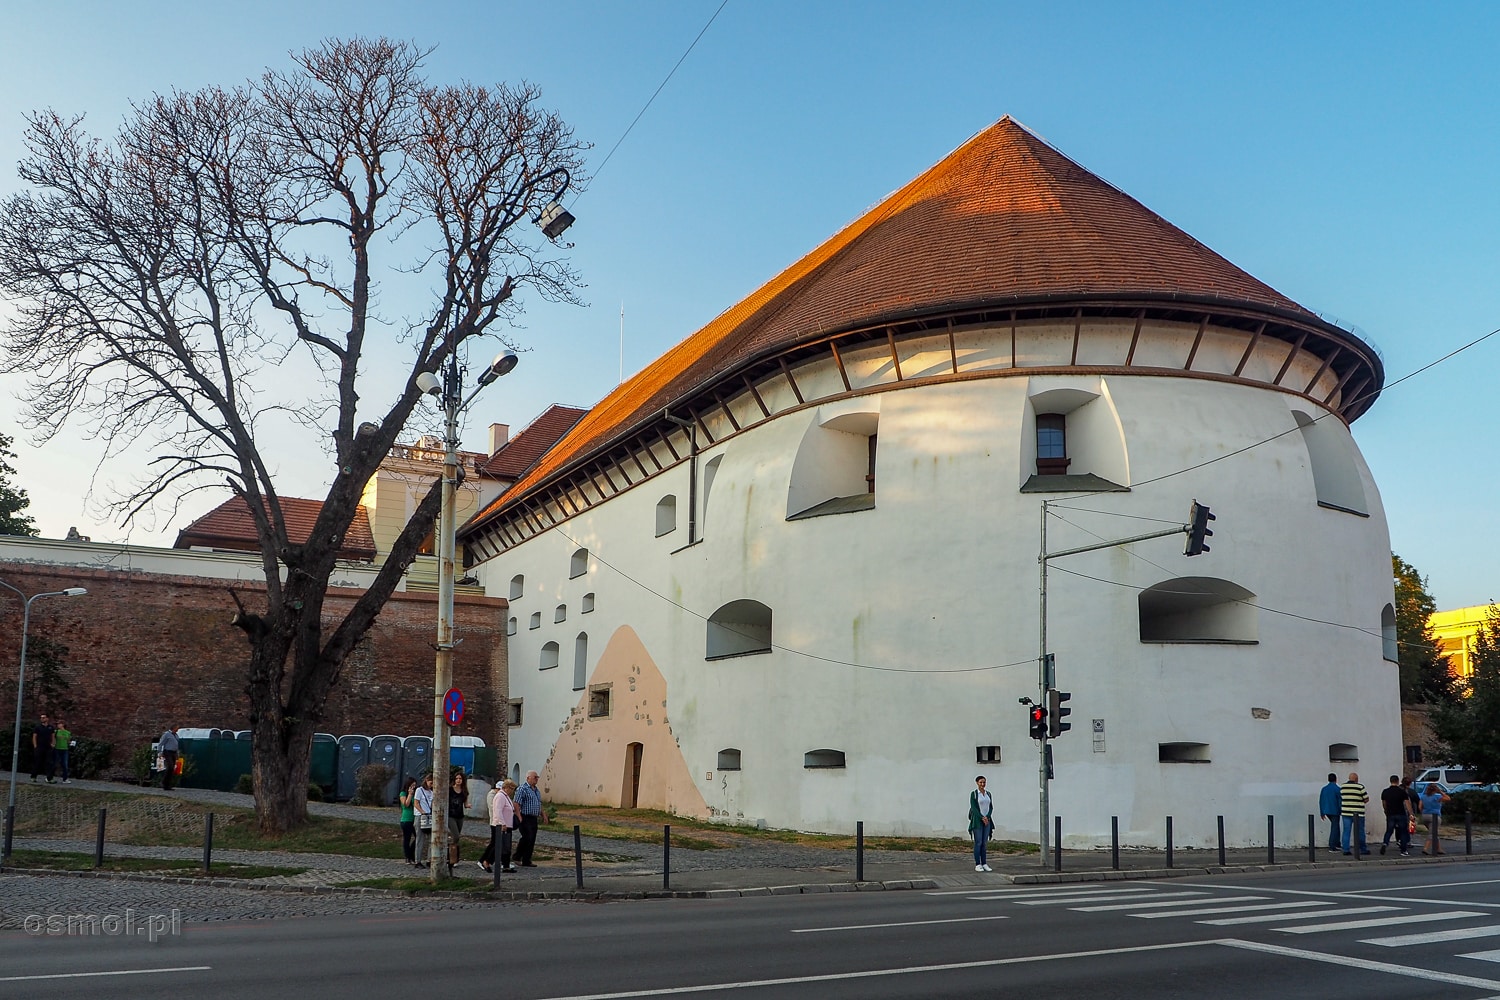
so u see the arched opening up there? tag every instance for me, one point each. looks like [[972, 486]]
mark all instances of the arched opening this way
[[710, 471], [549, 656], [580, 661], [1182, 753], [1197, 609], [1343, 753], [630, 788], [823, 758], [739, 628], [666, 515], [560, 613], [510, 626], [729, 759], [579, 564], [517, 587], [587, 604], [834, 471], [1330, 451], [1389, 647]]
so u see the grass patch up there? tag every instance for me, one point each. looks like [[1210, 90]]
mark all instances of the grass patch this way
[[413, 886], [68, 861]]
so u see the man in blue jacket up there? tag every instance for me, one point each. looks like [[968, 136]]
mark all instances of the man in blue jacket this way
[[1331, 808]]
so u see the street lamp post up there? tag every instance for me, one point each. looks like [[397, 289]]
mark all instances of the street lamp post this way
[[449, 393], [15, 746]]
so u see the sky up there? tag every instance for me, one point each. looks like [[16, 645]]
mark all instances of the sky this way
[[1346, 154]]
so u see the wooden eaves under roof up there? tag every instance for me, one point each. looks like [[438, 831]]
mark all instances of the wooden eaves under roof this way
[[1003, 231]]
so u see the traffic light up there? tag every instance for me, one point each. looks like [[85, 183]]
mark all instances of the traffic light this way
[[1057, 711], [1038, 722], [1198, 529]]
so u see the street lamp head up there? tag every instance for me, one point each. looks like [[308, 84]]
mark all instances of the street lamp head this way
[[75, 591], [429, 384], [554, 220], [503, 363]]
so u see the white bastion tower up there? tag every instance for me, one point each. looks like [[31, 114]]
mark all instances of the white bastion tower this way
[[788, 574]]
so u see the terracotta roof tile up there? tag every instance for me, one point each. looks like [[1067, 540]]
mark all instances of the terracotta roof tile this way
[[230, 526], [1003, 219], [523, 450]]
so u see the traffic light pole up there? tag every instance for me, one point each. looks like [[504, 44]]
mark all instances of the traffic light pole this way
[[1043, 661]]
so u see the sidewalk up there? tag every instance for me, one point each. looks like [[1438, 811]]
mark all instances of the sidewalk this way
[[761, 869]]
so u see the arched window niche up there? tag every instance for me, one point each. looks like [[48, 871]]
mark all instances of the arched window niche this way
[[729, 759], [739, 628], [666, 515], [1197, 609], [1330, 452], [549, 656], [823, 759], [517, 587], [834, 471], [579, 564], [1390, 648], [580, 661]]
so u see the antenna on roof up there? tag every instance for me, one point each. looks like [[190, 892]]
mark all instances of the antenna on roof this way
[[622, 342]]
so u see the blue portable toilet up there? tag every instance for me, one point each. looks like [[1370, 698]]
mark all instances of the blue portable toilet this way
[[354, 753], [461, 752], [387, 750], [416, 757]]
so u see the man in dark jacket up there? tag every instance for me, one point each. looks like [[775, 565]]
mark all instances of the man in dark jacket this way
[[42, 738], [1330, 809], [1393, 802]]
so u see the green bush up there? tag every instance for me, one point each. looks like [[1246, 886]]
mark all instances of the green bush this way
[[246, 785], [142, 760], [370, 783], [1485, 807], [89, 757], [314, 793]]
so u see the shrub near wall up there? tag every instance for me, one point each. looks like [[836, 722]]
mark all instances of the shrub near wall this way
[[1483, 806]]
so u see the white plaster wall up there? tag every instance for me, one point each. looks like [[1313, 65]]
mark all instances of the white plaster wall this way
[[906, 634]]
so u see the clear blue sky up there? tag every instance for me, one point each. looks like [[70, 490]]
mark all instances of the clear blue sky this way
[[1345, 154]]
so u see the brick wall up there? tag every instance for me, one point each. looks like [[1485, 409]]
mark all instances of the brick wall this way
[[148, 650]]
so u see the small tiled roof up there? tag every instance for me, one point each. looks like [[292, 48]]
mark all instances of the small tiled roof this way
[[522, 451], [1003, 220], [230, 526]]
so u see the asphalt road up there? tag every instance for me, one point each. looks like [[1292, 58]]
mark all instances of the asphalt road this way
[[1412, 932]]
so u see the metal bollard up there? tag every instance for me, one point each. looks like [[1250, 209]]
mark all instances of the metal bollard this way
[[1114, 842], [666, 856], [1169, 842], [577, 857], [208, 839], [1221, 841], [99, 841], [1312, 838], [10, 826], [1270, 839], [1057, 843], [859, 851], [1468, 833]]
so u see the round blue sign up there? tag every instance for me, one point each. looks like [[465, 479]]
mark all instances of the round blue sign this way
[[453, 706]]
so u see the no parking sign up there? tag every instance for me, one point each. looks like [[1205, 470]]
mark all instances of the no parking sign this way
[[453, 706]]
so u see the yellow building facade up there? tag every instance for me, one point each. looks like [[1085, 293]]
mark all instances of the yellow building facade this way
[[1455, 632]]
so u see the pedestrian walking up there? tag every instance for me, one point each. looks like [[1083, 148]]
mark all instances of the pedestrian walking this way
[[502, 811], [1352, 801], [981, 824], [1394, 803], [408, 800], [529, 805], [1330, 808], [42, 737], [169, 746], [1433, 798], [62, 742], [422, 809], [458, 801]]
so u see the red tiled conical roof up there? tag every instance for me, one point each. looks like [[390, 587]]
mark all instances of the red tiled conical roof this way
[[1004, 219]]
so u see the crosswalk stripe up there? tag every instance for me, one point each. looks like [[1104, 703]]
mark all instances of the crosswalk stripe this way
[[1435, 937], [1483, 956], [1265, 918], [1232, 909], [1354, 925], [1105, 908], [1001, 892], [1070, 900]]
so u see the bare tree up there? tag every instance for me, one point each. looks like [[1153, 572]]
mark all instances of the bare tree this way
[[225, 236]]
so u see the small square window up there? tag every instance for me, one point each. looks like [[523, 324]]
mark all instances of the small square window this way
[[599, 702], [513, 712], [986, 755]]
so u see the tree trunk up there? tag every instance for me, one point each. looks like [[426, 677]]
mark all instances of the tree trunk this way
[[281, 759]]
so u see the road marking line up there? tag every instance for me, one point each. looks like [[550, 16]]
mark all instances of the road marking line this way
[[904, 923], [1070, 900], [1002, 891], [1234, 909], [1354, 925], [1157, 906], [1266, 918], [1483, 956], [118, 972], [876, 973], [1456, 934], [1370, 894], [1431, 975]]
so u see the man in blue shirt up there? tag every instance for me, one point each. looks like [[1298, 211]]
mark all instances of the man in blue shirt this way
[[529, 804], [1330, 808]]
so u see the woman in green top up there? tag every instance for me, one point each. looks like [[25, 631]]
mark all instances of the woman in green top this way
[[408, 822]]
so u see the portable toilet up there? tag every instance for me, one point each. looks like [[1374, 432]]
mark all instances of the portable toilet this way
[[323, 768], [461, 752], [387, 750], [354, 753], [416, 757], [244, 734], [226, 734]]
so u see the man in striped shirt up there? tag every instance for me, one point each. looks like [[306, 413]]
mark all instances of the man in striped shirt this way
[[1352, 801]]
